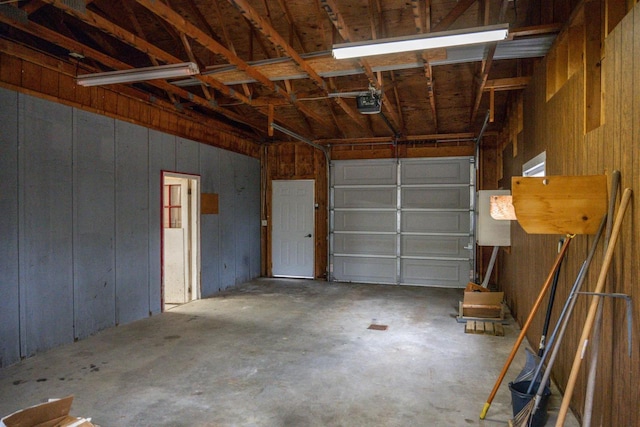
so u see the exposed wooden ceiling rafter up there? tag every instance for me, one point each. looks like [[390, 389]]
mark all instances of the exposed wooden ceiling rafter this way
[[88, 52], [225, 34], [208, 42], [441, 137], [486, 66], [336, 18], [142, 45], [138, 29], [279, 42]]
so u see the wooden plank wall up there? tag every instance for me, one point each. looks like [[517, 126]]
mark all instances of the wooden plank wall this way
[[296, 161], [559, 121], [34, 73]]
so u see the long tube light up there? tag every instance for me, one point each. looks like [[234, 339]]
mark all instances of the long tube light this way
[[442, 39], [139, 74]]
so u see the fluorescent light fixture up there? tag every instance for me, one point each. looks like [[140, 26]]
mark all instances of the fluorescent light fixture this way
[[442, 39], [139, 74]]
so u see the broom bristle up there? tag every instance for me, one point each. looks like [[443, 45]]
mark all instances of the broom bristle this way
[[521, 419]]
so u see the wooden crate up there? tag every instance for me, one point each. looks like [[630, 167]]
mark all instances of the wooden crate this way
[[482, 305]]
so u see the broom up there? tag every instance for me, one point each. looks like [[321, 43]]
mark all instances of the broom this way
[[526, 414], [525, 327], [588, 324], [523, 418]]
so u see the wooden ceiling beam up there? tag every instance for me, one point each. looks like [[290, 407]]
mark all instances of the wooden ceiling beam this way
[[33, 6], [338, 22], [208, 42], [417, 15], [486, 66], [457, 11], [509, 83], [428, 71], [88, 52], [536, 30], [225, 34], [136, 42], [138, 29], [437, 137], [295, 33], [262, 25]]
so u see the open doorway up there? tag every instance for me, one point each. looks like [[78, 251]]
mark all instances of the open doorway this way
[[180, 239]]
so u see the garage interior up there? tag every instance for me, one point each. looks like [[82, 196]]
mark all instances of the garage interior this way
[[281, 201]]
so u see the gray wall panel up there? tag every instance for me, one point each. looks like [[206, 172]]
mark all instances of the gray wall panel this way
[[252, 203], [162, 156], [210, 224], [187, 156], [132, 222], [246, 172], [46, 232], [9, 279], [80, 196], [227, 200], [94, 225]]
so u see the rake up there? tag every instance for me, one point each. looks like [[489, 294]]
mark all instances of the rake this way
[[525, 327], [523, 417]]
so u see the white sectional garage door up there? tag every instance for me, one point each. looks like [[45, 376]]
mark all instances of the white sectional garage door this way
[[405, 221]]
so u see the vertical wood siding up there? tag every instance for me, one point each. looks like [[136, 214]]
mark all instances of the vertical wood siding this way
[[557, 124]]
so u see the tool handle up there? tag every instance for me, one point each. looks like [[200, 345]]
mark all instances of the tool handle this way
[[588, 325], [526, 325]]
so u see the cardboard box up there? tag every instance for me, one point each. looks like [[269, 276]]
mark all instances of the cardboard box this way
[[54, 413], [484, 305]]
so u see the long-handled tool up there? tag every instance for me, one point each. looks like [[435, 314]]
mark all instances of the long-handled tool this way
[[547, 317], [532, 360], [522, 418], [525, 327], [595, 340], [586, 331]]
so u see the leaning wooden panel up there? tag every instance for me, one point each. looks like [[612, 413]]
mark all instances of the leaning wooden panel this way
[[560, 204]]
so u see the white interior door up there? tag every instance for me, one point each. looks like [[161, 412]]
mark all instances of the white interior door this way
[[292, 232], [180, 239]]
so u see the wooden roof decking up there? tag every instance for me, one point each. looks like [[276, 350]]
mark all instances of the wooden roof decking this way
[[263, 60]]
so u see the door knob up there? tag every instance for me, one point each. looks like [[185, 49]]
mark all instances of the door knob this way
[[308, 235]]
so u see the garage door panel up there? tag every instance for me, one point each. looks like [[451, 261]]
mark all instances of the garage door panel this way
[[443, 273], [370, 172], [436, 198], [436, 222], [365, 244], [436, 171], [405, 221], [365, 197], [442, 246], [365, 221], [365, 270]]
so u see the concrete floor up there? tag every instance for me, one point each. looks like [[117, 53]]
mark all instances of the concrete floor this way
[[282, 353]]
